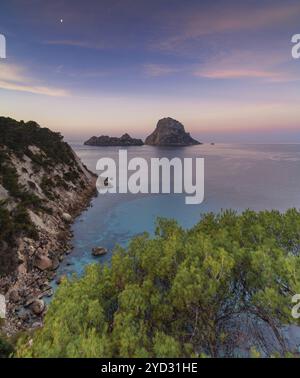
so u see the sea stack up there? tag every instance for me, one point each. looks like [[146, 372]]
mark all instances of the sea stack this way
[[170, 132]]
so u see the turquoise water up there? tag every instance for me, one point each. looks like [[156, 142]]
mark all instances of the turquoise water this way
[[236, 176]]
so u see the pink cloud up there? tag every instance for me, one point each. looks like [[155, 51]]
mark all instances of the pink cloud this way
[[241, 73], [14, 78], [246, 64]]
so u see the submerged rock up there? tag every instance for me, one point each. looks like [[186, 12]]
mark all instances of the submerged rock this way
[[170, 132], [99, 251]]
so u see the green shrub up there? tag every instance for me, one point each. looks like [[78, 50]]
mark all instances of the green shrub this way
[[6, 349], [177, 294], [71, 176], [18, 136]]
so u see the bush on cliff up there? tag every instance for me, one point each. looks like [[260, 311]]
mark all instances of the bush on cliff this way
[[18, 136], [182, 293], [6, 349]]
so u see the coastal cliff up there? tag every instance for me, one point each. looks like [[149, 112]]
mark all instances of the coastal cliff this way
[[170, 132], [43, 187]]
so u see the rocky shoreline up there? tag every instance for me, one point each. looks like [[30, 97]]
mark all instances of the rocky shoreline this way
[[43, 187], [26, 289]]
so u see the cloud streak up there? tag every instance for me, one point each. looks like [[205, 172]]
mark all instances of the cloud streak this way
[[157, 70], [198, 23], [239, 64], [244, 74], [12, 77], [77, 43]]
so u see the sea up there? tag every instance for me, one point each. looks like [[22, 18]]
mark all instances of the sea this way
[[236, 176]]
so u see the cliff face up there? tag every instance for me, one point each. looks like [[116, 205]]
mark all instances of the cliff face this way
[[124, 140], [170, 132], [43, 186]]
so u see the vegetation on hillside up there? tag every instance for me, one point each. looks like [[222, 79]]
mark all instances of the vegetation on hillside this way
[[198, 292], [5, 348], [17, 138], [16, 222]]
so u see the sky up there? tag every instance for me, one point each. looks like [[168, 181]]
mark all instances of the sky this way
[[222, 68]]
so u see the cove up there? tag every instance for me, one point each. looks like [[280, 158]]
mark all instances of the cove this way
[[237, 177]]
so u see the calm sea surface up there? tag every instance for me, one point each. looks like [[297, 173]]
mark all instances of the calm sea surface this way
[[236, 176]]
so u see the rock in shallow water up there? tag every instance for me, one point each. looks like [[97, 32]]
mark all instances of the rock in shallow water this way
[[99, 251]]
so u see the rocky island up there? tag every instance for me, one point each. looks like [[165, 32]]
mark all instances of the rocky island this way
[[104, 140], [170, 132], [43, 186]]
